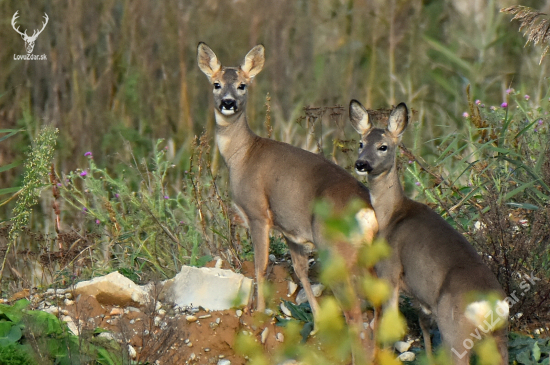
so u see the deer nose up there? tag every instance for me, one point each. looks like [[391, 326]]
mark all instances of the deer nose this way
[[229, 104], [363, 166]]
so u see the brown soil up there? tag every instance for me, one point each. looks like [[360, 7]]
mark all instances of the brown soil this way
[[162, 336]]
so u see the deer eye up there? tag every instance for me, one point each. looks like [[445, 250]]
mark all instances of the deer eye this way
[[242, 87], [360, 144], [217, 85], [383, 148]]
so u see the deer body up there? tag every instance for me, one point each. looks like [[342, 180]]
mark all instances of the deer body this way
[[273, 184], [430, 260]]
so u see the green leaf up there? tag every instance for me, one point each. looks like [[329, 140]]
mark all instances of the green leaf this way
[[449, 54], [10, 132], [11, 165], [10, 190], [536, 351], [523, 206], [524, 358]]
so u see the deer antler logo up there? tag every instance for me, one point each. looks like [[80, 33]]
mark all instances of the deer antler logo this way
[[29, 40]]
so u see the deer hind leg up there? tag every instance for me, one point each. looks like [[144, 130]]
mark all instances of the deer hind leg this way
[[259, 232], [300, 262], [424, 321]]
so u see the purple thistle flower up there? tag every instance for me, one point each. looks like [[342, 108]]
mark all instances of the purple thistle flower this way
[[87, 154], [84, 173], [166, 197], [84, 209], [59, 184], [504, 105], [478, 102], [465, 114], [527, 97], [97, 221], [509, 91], [540, 121], [417, 183], [117, 195]]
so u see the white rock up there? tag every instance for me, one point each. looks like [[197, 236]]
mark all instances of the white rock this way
[[70, 323], [215, 289], [292, 287], [280, 337], [239, 312], [107, 335], [407, 356], [224, 362], [132, 352], [113, 288], [402, 346], [317, 291], [265, 332], [285, 310], [53, 310]]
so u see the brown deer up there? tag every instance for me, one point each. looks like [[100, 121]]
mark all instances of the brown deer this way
[[274, 184], [430, 260]]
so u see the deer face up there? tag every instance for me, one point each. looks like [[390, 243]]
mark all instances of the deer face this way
[[230, 84], [377, 146], [230, 91]]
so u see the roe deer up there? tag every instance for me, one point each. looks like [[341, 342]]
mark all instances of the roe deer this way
[[430, 260], [274, 184]]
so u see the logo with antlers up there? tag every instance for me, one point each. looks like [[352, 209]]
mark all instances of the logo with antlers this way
[[29, 40]]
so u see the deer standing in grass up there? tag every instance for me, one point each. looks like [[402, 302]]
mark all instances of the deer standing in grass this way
[[274, 184], [430, 260]]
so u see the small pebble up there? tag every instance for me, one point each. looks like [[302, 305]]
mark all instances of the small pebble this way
[[205, 316], [239, 312], [280, 337], [265, 332], [191, 318], [116, 311]]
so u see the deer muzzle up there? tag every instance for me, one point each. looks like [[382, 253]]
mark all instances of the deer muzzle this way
[[228, 106], [363, 167]]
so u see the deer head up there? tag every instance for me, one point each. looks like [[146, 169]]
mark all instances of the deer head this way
[[29, 40]]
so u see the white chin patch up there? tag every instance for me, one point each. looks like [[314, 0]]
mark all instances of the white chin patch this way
[[228, 111], [361, 172]]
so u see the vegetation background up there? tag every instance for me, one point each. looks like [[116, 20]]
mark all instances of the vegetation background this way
[[121, 74]]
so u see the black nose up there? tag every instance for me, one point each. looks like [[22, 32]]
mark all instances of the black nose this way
[[363, 166], [228, 104]]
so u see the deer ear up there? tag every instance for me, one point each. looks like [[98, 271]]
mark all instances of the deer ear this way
[[254, 61], [399, 118], [208, 62], [359, 117]]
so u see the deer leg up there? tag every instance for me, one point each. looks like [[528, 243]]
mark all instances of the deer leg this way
[[259, 232], [300, 259], [424, 321]]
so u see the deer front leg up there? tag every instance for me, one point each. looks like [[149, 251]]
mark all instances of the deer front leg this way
[[259, 231]]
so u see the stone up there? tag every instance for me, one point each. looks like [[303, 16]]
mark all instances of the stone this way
[[402, 346], [407, 356], [113, 289], [317, 291], [224, 362], [212, 288]]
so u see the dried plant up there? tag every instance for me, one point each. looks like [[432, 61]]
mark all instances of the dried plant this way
[[536, 29]]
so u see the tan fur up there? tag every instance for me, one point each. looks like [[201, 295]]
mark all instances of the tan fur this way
[[430, 260], [273, 184]]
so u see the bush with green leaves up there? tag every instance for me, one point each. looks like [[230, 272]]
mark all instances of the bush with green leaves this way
[[37, 337], [151, 226], [492, 182]]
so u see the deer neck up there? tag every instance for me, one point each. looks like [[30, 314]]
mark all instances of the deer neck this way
[[233, 137], [386, 195]]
